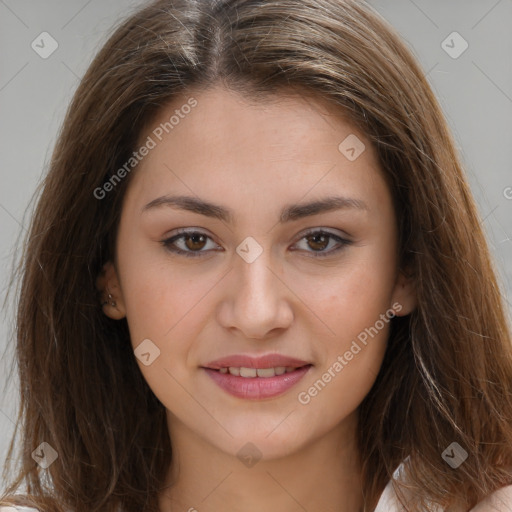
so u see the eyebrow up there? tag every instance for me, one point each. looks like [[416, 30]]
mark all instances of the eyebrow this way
[[291, 212]]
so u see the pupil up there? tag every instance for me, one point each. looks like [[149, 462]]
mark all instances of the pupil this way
[[194, 240], [318, 240], [322, 237]]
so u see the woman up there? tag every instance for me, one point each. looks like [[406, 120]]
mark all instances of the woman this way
[[256, 279]]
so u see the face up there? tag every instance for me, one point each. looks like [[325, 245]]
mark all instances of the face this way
[[259, 273]]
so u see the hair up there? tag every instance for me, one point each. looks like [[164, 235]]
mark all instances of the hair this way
[[447, 371]]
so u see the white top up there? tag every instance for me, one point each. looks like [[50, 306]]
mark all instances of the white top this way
[[18, 509], [498, 501]]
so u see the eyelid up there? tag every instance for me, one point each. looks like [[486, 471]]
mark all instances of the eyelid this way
[[343, 241], [340, 233], [302, 234]]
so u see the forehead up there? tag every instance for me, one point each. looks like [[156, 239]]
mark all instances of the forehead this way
[[286, 145], [224, 119]]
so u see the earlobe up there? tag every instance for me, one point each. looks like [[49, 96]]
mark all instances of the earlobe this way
[[111, 296], [404, 298]]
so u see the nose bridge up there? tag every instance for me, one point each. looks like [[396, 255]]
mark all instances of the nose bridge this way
[[253, 273], [257, 300]]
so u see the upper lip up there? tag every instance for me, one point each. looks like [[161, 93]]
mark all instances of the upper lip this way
[[246, 361]]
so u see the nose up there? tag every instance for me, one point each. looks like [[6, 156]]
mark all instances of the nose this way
[[256, 300]]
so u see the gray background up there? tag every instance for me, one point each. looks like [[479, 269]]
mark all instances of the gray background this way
[[475, 92]]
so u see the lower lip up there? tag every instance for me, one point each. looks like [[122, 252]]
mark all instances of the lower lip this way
[[256, 388]]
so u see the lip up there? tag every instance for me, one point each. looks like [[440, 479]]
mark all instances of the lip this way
[[246, 361], [257, 388]]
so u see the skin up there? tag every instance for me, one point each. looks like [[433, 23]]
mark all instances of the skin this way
[[255, 158]]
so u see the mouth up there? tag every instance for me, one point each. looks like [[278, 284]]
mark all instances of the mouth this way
[[252, 373], [257, 378]]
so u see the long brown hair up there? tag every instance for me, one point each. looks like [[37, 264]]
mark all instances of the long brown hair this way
[[447, 373]]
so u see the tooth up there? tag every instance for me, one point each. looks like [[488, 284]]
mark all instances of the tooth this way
[[266, 372], [247, 372], [257, 372]]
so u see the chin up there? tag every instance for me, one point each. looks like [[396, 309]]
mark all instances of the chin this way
[[263, 442]]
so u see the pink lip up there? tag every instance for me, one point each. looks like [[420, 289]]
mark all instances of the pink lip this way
[[257, 388], [267, 361]]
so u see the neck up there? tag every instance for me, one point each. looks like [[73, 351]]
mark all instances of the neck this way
[[322, 476]]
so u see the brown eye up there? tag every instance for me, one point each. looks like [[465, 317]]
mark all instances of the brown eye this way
[[188, 243], [318, 242], [195, 241], [192, 243]]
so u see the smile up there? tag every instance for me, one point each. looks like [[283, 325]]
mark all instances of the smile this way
[[257, 383], [257, 372]]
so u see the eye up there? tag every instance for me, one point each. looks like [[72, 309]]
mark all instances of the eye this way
[[191, 243], [319, 240]]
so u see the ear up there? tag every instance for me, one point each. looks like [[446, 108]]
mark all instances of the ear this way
[[108, 283], [404, 298]]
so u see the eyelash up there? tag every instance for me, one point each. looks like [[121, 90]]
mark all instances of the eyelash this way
[[168, 243]]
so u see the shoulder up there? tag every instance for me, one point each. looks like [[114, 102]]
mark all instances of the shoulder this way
[[17, 508], [498, 501]]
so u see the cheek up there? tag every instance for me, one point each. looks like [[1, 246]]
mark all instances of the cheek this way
[[355, 304], [353, 297], [162, 306], [157, 294], [350, 359]]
